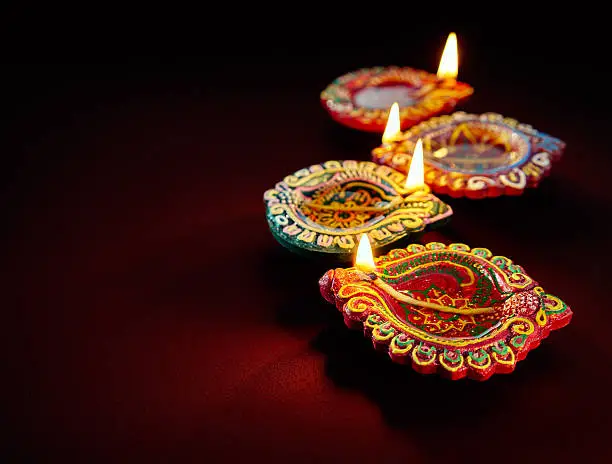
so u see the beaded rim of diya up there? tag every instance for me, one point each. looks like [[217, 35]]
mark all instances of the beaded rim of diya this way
[[452, 310], [475, 156], [361, 99], [324, 208]]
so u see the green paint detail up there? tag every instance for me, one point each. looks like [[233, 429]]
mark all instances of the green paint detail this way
[[500, 348], [548, 312], [484, 287], [519, 340], [452, 360], [426, 351], [514, 268], [481, 252], [403, 344], [385, 331], [479, 359], [494, 279], [406, 313], [372, 320], [477, 330]]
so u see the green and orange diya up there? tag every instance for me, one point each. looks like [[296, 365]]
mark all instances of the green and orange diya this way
[[322, 210], [452, 310]]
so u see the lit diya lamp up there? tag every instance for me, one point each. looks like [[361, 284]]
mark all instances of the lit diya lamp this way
[[475, 156], [361, 99], [325, 208], [451, 310]]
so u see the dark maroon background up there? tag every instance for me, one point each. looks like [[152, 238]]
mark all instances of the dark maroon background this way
[[150, 315]]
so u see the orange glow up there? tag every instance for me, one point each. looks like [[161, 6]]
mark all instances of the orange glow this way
[[415, 180], [364, 260], [392, 129], [449, 63]]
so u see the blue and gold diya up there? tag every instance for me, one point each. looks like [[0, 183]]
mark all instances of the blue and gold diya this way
[[475, 156]]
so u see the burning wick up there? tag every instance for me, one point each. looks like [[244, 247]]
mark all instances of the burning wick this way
[[449, 62], [364, 262], [393, 127], [415, 179]]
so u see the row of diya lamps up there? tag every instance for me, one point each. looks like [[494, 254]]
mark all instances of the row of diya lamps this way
[[448, 309]]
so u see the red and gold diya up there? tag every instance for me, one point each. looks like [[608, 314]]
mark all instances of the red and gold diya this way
[[474, 156], [452, 310], [361, 99]]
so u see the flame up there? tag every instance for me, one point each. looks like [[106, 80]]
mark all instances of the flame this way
[[392, 129], [415, 180], [365, 259], [449, 63]]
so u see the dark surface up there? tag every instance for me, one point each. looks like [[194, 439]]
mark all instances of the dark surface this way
[[150, 315]]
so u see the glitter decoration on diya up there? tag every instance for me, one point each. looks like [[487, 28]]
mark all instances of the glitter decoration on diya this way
[[323, 209], [361, 99], [451, 310], [475, 156]]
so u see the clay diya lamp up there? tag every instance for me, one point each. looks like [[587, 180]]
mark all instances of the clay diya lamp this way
[[450, 310], [323, 209], [361, 99], [475, 156]]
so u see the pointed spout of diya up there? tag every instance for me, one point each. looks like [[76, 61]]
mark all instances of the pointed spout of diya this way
[[364, 261]]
